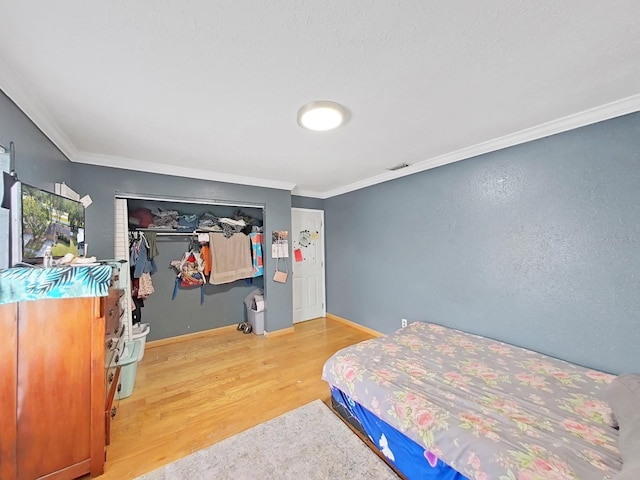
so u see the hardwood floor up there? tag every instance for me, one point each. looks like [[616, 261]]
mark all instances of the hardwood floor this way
[[193, 393]]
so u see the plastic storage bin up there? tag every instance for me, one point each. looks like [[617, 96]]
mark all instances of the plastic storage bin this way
[[129, 367], [140, 332]]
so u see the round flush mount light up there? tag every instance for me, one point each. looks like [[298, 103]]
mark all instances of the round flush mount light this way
[[322, 116]]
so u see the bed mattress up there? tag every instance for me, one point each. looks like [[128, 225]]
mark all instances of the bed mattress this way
[[409, 458], [487, 409]]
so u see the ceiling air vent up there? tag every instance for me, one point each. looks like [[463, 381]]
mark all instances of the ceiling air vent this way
[[398, 167]]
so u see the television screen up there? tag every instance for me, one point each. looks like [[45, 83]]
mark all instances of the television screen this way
[[49, 220]]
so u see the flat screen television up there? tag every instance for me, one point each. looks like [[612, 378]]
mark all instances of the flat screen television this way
[[50, 220]]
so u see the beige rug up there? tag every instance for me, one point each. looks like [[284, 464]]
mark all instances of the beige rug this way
[[307, 443]]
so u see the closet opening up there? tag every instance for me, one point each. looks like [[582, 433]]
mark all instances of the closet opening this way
[[181, 238]]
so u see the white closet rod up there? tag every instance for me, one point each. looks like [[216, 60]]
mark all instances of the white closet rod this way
[[162, 234]]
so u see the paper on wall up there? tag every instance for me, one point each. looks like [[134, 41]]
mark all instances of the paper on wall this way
[[279, 250]]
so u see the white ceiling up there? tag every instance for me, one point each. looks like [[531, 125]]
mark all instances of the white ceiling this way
[[211, 89]]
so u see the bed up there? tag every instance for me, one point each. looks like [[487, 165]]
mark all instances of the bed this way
[[443, 404]]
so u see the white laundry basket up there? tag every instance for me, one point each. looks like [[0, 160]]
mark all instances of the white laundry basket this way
[[128, 368], [140, 332]]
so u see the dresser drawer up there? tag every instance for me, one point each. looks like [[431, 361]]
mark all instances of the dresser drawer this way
[[114, 346], [112, 378], [113, 385], [113, 312]]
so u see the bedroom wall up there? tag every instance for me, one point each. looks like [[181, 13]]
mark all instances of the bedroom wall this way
[[40, 163], [188, 316], [537, 245]]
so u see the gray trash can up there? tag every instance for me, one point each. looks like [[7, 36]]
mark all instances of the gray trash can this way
[[254, 303], [256, 320]]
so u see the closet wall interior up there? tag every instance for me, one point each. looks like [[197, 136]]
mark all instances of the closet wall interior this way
[[193, 309]]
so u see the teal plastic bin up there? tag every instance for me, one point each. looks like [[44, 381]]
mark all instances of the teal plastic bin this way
[[129, 367]]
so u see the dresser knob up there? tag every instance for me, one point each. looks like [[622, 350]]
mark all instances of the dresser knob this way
[[113, 412], [111, 375], [119, 387], [110, 343], [117, 358]]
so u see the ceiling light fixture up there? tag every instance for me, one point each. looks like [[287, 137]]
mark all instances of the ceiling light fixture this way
[[322, 116]]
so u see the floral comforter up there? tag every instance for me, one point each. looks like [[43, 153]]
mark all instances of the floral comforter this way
[[490, 410]]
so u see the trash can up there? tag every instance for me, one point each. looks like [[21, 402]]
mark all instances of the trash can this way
[[140, 332], [128, 363], [256, 320], [255, 307]]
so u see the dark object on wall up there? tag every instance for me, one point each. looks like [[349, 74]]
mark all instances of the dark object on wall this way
[[9, 178], [8, 181]]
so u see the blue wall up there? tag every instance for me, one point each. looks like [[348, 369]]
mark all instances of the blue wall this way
[[40, 163], [184, 315], [537, 245], [298, 201]]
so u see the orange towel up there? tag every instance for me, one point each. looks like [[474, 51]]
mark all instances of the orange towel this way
[[206, 256]]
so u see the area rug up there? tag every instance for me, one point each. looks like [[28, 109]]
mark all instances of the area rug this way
[[308, 443]]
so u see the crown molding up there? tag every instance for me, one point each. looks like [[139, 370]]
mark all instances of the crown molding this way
[[594, 115], [177, 171], [14, 87], [307, 193], [16, 90]]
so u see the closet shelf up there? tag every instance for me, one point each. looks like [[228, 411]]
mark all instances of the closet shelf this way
[[166, 231]]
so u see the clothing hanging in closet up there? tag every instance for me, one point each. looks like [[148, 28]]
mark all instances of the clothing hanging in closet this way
[[256, 253], [142, 266], [230, 258]]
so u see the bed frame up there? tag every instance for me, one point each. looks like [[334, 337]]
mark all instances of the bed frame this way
[[356, 427]]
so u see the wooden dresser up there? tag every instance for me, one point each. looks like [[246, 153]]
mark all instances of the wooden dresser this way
[[55, 401], [114, 344]]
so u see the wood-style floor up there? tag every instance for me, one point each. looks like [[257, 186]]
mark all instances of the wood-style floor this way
[[193, 393]]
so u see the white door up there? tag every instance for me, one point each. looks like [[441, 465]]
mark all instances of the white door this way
[[307, 236]]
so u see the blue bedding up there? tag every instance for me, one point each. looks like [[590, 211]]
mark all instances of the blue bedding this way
[[412, 460]]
